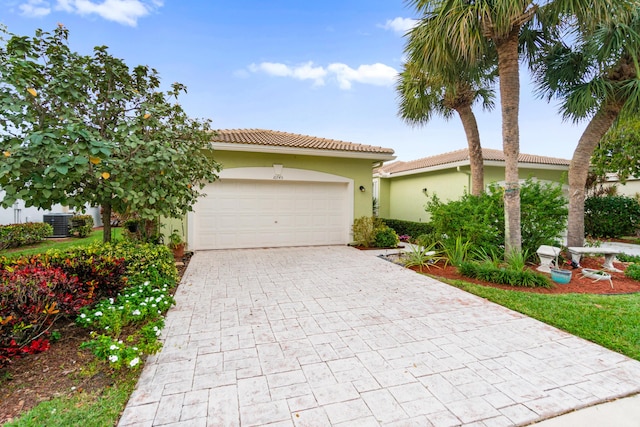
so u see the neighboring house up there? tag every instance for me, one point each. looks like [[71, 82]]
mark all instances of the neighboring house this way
[[19, 214], [282, 189], [402, 188], [631, 187]]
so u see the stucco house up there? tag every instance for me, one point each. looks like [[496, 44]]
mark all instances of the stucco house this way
[[402, 188], [282, 189], [631, 187], [19, 213]]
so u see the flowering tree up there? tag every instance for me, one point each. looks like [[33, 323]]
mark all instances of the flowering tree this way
[[78, 129]]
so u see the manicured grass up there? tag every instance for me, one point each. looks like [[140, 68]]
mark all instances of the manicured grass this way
[[82, 409], [94, 237], [608, 320]]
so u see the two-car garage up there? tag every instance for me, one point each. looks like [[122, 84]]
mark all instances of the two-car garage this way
[[254, 213], [280, 189]]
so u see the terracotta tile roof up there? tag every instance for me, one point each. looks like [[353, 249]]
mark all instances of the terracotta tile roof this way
[[458, 156], [292, 140]]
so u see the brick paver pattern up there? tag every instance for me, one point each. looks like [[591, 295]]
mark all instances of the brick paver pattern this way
[[331, 336]]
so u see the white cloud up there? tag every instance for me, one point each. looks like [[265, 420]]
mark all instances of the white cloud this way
[[399, 25], [304, 71], [375, 74], [125, 12], [35, 8]]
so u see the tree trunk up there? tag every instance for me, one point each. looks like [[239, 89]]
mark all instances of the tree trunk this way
[[510, 102], [579, 169], [476, 160], [106, 223]]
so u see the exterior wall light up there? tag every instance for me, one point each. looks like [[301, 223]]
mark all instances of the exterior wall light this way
[[362, 188]]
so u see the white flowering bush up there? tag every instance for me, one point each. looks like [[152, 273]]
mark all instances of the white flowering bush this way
[[138, 310]]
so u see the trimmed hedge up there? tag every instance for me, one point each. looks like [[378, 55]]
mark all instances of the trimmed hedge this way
[[16, 235], [611, 216], [409, 228]]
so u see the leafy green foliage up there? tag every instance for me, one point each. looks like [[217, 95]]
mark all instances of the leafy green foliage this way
[[409, 228], [611, 216], [421, 256], [628, 258], [36, 290], [16, 235], [619, 150], [365, 229], [633, 271], [516, 260], [456, 250], [504, 276], [480, 219], [386, 238], [81, 225], [81, 129]]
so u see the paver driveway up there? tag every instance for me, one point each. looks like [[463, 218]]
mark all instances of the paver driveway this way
[[333, 336]]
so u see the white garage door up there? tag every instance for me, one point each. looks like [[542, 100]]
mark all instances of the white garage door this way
[[249, 214]]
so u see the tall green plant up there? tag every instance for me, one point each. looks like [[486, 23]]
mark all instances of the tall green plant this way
[[479, 219], [456, 250], [365, 229], [80, 129], [421, 256]]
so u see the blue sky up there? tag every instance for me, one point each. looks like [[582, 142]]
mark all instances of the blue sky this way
[[321, 68]]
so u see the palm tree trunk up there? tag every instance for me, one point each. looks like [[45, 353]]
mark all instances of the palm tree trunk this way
[[476, 160], [579, 169], [510, 103], [106, 223]]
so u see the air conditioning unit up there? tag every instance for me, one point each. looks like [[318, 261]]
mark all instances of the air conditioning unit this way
[[61, 223]]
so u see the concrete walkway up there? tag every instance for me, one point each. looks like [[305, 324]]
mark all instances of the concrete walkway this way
[[331, 336]]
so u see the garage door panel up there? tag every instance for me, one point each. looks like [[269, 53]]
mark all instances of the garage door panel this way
[[243, 214]]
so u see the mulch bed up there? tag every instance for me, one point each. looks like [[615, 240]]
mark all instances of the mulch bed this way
[[578, 283]]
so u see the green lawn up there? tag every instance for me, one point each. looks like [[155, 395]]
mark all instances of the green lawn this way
[[94, 237], [608, 320]]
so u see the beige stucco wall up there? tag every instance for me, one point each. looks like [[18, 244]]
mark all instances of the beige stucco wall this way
[[406, 200], [631, 187]]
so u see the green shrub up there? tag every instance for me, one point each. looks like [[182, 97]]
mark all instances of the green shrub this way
[[421, 256], [365, 229], [611, 216], [16, 235], [153, 262], [386, 238], [480, 219], [504, 276], [628, 258], [633, 271], [408, 228], [81, 225], [132, 283], [456, 250]]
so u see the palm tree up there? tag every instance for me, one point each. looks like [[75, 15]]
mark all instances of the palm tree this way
[[598, 77], [468, 32], [422, 94]]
